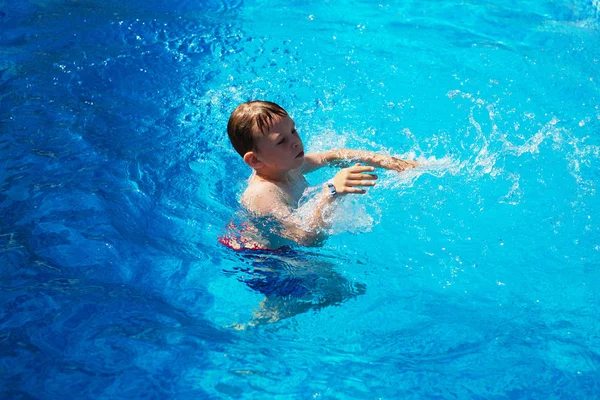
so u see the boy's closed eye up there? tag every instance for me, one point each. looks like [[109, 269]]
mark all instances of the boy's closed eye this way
[[282, 140]]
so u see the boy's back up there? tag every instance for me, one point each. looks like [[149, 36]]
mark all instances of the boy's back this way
[[262, 199]]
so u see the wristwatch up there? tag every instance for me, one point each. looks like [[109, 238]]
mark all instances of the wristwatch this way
[[331, 188]]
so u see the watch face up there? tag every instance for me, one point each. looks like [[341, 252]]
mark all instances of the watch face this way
[[331, 187]]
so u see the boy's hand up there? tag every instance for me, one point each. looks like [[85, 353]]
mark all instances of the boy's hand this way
[[348, 179], [397, 164]]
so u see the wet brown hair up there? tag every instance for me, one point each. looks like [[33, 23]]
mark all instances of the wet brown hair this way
[[248, 119]]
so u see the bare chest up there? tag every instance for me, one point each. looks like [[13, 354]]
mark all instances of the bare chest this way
[[289, 192]]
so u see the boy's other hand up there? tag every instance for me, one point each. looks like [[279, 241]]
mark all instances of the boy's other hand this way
[[397, 164], [348, 180]]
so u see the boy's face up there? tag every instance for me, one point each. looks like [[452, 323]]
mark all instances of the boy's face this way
[[280, 148]]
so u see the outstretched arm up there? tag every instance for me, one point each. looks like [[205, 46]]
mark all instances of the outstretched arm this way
[[314, 161]]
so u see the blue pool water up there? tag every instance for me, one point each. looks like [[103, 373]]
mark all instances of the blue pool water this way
[[473, 277]]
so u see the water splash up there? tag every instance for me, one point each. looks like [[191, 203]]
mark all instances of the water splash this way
[[348, 214]]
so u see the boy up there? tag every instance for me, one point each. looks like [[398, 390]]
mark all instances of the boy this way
[[265, 136]]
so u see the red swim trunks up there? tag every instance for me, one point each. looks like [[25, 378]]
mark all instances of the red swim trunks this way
[[235, 240]]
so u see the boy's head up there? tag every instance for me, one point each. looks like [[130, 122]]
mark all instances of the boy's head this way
[[265, 136], [249, 120]]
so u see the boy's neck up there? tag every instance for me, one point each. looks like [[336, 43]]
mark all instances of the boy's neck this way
[[274, 176]]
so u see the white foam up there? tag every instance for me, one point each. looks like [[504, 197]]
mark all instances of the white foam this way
[[348, 214]]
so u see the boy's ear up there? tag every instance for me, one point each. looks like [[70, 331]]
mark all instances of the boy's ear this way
[[253, 161]]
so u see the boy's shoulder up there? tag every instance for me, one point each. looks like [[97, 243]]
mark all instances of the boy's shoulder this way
[[260, 196]]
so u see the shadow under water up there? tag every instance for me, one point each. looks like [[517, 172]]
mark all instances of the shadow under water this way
[[293, 282]]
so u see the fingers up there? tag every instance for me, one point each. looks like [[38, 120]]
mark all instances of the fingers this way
[[358, 182], [372, 177], [355, 190], [361, 179], [348, 179], [358, 169]]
